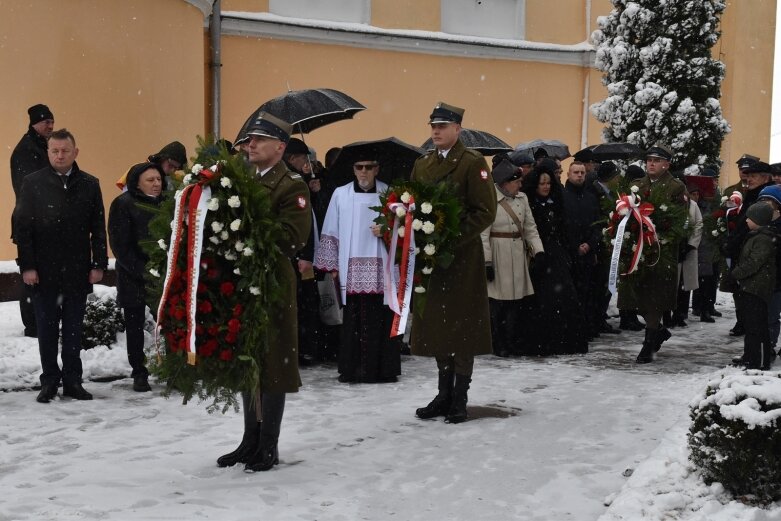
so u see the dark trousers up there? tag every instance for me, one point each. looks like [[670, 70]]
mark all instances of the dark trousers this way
[[459, 364], [27, 310], [704, 297], [50, 308], [135, 317], [752, 313], [505, 326], [309, 326]]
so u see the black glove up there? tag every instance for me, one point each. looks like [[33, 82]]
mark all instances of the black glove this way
[[540, 261], [684, 251], [489, 272]]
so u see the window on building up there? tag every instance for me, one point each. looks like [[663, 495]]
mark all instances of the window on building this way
[[357, 11], [489, 18]]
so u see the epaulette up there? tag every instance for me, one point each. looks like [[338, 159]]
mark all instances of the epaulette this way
[[473, 152], [293, 175]]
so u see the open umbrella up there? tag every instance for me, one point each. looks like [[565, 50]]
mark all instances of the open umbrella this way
[[553, 147], [307, 109], [394, 155], [480, 140], [612, 151]]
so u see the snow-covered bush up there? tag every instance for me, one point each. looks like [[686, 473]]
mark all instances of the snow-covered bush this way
[[102, 321], [735, 436], [662, 83]]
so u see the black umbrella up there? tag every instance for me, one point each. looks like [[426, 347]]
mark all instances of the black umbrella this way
[[553, 147], [394, 155], [611, 151], [307, 109], [480, 140]]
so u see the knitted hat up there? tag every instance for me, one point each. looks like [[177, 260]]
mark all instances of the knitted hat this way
[[771, 192], [39, 113], [174, 150], [760, 213]]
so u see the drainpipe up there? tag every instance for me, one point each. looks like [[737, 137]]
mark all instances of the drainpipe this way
[[215, 31], [586, 84]]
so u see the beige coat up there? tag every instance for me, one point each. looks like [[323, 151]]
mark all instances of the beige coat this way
[[508, 255], [689, 266]]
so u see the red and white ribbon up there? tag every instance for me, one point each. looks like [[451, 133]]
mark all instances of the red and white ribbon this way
[[630, 207], [398, 285]]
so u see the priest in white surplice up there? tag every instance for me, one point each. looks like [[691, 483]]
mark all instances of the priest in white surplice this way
[[349, 246]]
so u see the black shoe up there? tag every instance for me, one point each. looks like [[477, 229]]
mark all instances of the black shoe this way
[[646, 354], [662, 336], [440, 405], [644, 358], [141, 384], [738, 330], [631, 325], [608, 329], [76, 391], [679, 322], [738, 361], [264, 459], [715, 313], [696, 312], [47, 394], [706, 317], [249, 440], [457, 412]]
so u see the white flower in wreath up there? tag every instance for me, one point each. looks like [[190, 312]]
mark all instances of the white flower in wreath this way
[[217, 227], [664, 241], [400, 212], [401, 232], [627, 236], [426, 208], [224, 235], [715, 233], [154, 272], [429, 249], [663, 207], [427, 270], [405, 197], [248, 252], [239, 246], [225, 182], [723, 229], [213, 205], [235, 225], [420, 289], [429, 227], [186, 179], [196, 169], [634, 247], [417, 224], [254, 290], [635, 189], [724, 199], [214, 240], [162, 244], [237, 271], [230, 256], [417, 250], [613, 242], [605, 231], [234, 201], [611, 214]]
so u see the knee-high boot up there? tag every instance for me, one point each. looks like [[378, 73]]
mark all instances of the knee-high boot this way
[[457, 413], [249, 442], [272, 407], [440, 405], [646, 354]]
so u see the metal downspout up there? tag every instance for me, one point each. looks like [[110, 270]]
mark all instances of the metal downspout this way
[[586, 85], [215, 33]]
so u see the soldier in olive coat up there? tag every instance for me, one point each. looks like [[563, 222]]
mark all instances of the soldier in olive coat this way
[[655, 290], [456, 325], [279, 373]]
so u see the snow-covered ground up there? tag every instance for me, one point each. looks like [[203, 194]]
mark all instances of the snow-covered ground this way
[[581, 437]]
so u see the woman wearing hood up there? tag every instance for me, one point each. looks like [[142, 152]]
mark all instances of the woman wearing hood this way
[[128, 222]]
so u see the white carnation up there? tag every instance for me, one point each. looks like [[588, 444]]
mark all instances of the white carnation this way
[[239, 246], [235, 225], [237, 271], [420, 289], [417, 224], [427, 270], [405, 197], [430, 249], [248, 252], [186, 179], [217, 227], [224, 235], [230, 256], [162, 244], [417, 250], [196, 169], [213, 205], [214, 240], [426, 208], [226, 182], [428, 227], [234, 201], [663, 207], [154, 272], [254, 290], [635, 189], [401, 232], [715, 233], [400, 212], [627, 236]]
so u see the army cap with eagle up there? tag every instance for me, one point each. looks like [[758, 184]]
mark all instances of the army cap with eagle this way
[[444, 113]]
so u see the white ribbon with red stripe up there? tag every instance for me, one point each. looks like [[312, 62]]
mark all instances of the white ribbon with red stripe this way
[[630, 207], [398, 285]]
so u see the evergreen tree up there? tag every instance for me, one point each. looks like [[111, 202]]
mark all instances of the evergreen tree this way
[[663, 85]]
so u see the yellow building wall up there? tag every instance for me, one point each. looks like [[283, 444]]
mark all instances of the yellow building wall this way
[[422, 15], [125, 77]]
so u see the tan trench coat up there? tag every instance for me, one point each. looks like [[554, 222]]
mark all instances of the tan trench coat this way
[[508, 254], [290, 202], [456, 319]]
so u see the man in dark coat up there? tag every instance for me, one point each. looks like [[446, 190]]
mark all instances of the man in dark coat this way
[[456, 325], [268, 137], [30, 156], [656, 289], [581, 210], [61, 241]]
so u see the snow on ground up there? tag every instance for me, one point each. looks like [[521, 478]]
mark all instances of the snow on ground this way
[[550, 439]]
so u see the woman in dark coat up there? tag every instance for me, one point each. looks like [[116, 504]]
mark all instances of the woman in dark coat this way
[[128, 222], [556, 320]]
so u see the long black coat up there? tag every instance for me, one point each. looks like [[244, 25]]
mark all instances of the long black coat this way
[[61, 232], [29, 156], [128, 225]]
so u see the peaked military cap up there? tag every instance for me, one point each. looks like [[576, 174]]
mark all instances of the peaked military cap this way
[[270, 126], [746, 160], [759, 167], [444, 113], [660, 150]]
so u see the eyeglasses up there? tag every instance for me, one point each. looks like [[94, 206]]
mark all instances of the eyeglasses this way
[[371, 166]]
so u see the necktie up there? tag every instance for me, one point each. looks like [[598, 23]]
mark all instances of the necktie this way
[[440, 157]]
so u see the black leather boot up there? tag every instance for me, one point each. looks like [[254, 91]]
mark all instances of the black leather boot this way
[[440, 405], [272, 407], [646, 354], [661, 335], [249, 442], [457, 413], [629, 321], [75, 391], [705, 316]]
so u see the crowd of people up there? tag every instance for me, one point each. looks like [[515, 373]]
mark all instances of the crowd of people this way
[[532, 260]]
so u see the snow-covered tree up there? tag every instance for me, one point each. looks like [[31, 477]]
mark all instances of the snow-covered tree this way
[[663, 84]]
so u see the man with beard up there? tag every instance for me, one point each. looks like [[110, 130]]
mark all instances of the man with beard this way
[[457, 326]]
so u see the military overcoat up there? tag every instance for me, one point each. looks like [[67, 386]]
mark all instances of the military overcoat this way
[[456, 318], [655, 288], [290, 201]]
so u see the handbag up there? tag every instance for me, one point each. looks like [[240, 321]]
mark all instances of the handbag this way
[[330, 310]]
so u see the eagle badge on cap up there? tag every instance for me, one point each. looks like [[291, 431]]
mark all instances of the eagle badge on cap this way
[[301, 201], [483, 175]]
